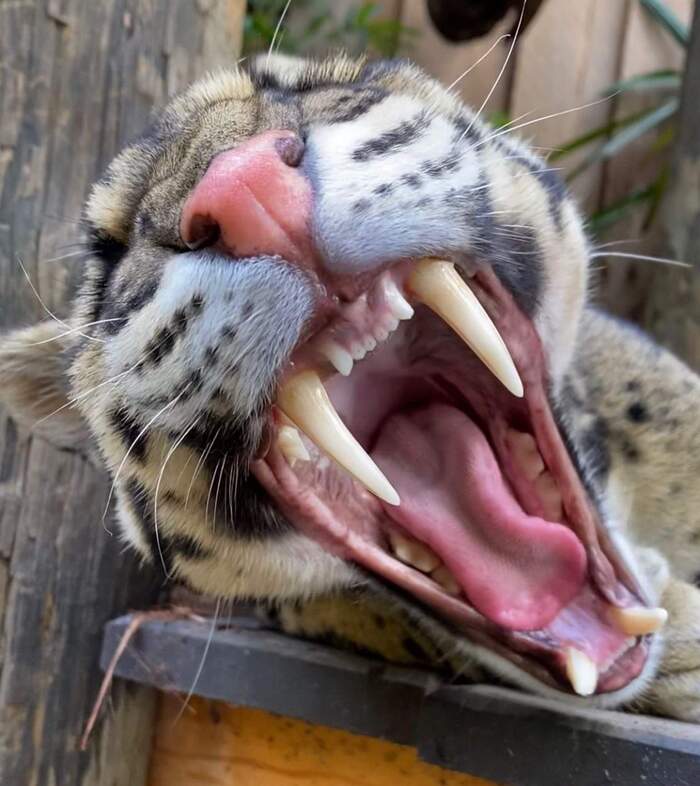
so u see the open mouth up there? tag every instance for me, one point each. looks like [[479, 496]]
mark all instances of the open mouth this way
[[413, 436]]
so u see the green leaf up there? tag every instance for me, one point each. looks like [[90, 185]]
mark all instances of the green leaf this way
[[611, 214], [654, 80], [631, 133], [665, 16]]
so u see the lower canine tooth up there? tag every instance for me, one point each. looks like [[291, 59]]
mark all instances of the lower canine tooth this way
[[446, 580], [340, 359], [442, 289], [291, 446], [581, 671], [638, 620], [414, 553], [304, 400]]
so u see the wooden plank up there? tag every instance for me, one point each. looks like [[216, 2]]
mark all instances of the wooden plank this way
[[646, 47], [220, 745], [672, 312], [566, 57], [77, 79], [446, 60], [460, 728]]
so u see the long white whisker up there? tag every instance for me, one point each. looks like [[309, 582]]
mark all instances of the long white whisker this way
[[200, 668], [483, 57], [173, 448], [76, 330], [642, 257], [502, 131], [500, 73], [131, 447], [275, 34]]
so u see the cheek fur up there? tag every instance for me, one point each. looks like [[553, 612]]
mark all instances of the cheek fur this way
[[215, 330]]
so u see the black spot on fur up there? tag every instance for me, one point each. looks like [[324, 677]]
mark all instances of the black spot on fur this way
[[247, 309], [632, 386], [119, 310], [197, 303], [379, 621], [186, 546], [358, 106], [180, 322], [629, 450], [403, 135], [384, 189], [160, 346], [415, 650], [210, 356], [129, 430], [638, 413], [228, 331], [412, 180], [361, 205], [106, 248], [442, 166]]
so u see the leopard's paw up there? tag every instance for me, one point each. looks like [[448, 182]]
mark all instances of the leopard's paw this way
[[675, 691]]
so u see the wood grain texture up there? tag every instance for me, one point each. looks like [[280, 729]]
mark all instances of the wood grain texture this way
[[215, 744], [646, 46], [566, 57], [78, 78], [672, 308]]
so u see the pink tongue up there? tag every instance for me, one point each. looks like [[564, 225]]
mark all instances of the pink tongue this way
[[517, 570]]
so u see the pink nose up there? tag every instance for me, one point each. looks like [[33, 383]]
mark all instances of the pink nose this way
[[253, 199]]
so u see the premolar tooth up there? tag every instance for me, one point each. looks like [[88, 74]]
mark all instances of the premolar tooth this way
[[339, 358], [412, 552], [437, 284], [550, 497], [391, 324], [398, 304], [380, 333], [446, 580], [304, 400], [289, 442], [581, 671], [526, 453], [358, 351], [638, 620], [370, 343]]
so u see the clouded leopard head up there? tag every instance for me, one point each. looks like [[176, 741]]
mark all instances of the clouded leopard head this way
[[321, 338]]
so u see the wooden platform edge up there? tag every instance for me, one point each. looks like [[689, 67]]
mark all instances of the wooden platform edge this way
[[485, 731]]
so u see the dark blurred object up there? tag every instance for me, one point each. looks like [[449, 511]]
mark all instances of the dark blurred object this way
[[461, 20]]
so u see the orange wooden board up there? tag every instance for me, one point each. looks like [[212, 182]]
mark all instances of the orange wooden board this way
[[219, 745]]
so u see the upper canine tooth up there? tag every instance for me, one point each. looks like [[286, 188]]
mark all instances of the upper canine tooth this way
[[581, 671], [304, 400], [289, 442], [441, 288], [398, 304], [414, 553], [340, 359], [638, 620]]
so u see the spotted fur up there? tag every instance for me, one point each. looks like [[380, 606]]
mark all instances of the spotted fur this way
[[175, 380]]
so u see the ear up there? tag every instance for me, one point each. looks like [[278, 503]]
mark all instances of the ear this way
[[34, 383]]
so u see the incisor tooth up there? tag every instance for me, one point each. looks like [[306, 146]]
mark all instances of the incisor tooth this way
[[340, 359], [581, 671], [304, 400], [638, 620], [437, 284], [398, 304], [446, 580], [289, 442], [414, 553]]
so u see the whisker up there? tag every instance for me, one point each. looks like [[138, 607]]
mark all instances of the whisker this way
[[275, 34], [131, 447], [173, 448], [500, 73], [474, 65], [502, 131], [642, 257], [200, 667], [76, 330], [43, 305]]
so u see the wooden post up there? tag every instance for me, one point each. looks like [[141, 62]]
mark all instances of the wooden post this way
[[78, 78], [673, 307]]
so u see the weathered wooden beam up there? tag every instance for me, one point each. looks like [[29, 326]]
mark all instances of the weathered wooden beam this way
[[485, 731], [78, 78]]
